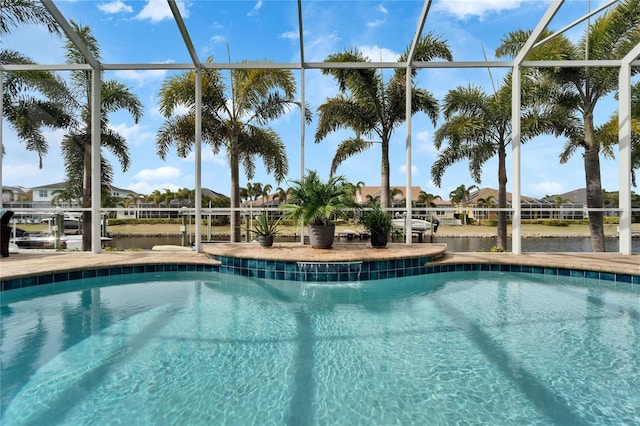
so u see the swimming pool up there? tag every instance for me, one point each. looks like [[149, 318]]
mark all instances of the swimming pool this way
[[206, 348]]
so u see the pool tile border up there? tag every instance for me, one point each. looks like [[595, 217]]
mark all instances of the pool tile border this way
[[543, 270], [323, 271], [57, 277], [326, 271]]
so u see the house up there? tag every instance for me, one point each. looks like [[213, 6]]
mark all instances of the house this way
[[483, 199], [12, 194], [43, 197], [157, 205]]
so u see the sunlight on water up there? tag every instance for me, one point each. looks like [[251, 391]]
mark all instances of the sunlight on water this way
[[189, 348]]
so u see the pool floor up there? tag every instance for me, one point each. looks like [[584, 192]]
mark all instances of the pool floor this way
[[194, 348]]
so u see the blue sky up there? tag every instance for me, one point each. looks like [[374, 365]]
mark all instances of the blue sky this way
[[144, 32]]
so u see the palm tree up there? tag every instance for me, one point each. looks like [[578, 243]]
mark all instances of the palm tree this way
[[281, 195], [427, 199], [109, 200], [76, 145], [156, 196], [460, 197], [265, 192], [33, 100], [609, 37], [373, 200], [487, 202], [256, 191], [245, 193], [169, 196], [372, 109], [608, 132], [236, 124], [393, 192], [63, 197], [132, 199], [477, 127], [16, 12], [558, 201]]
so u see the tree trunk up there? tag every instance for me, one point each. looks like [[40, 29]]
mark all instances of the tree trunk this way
[[86, 196], [502, 198], [594, 198], [235, 195], [385, 200], [594, 185]]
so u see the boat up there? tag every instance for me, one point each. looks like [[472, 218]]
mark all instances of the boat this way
[[48, 241], [416, 224], [71, 224], [38, 242]]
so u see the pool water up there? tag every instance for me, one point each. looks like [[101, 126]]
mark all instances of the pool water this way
[[202, 349]]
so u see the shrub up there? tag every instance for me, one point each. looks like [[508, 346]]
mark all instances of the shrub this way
[[555, 222]]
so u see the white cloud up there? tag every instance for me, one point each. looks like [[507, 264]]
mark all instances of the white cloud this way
[[379, 54], [373, 24], [255, 9], [135, 134], [141, 77], [147, 187], [291, 35], [218, 39], [318, 48], [423, 142], [157, 174], [376, 23], [29, 175], [146, 181], [403, 170], [541, 189], [158, 10], [115, 7], [463, 9], [208, 156]]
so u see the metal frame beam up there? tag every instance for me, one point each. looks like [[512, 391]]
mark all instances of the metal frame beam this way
[[70, 33], [624, 149], [516, 106], [412, 50], [625, 65]]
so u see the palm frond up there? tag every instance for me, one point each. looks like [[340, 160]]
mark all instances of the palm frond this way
[[346, 149]]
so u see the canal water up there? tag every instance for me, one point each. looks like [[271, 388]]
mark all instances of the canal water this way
[[454, 244]]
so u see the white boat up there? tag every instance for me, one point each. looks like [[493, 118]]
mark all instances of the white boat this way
[[69, 242], [416, 224], [37, 242]]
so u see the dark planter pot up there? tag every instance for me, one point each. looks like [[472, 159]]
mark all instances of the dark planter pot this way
[[321, 236], [5, 236], [265, 240], [378, 239]]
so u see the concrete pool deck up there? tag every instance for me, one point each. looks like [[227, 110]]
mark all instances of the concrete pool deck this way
[[32, 263]]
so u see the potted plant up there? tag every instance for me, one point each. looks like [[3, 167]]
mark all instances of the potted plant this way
[[378, 223], [316, 203], [265, 229]]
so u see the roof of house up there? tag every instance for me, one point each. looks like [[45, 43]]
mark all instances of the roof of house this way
[[58, 185], [206, 192], [576, 196], [375, 191], [484, 193]]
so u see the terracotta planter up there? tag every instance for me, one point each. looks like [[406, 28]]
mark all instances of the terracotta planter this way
[[321, 236]]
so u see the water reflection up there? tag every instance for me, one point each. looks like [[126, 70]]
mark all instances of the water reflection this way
[[549, 245]]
